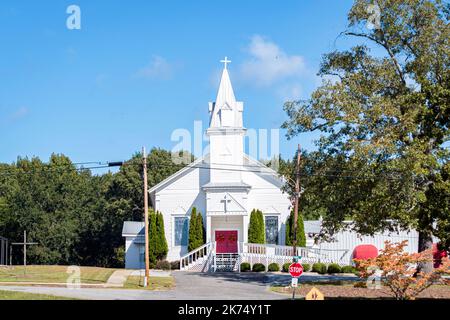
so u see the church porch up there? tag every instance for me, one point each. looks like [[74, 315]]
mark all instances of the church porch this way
[[227, 232]]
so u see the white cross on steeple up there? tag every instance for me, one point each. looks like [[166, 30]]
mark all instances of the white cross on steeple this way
[[225, 62]]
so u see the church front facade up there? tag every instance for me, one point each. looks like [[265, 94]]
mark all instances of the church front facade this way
[[224, 185]]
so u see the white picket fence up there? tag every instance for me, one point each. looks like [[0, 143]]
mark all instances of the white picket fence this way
[[267, 254]]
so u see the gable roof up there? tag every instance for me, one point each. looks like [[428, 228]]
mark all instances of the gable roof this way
[[132, 228], [265, 170], [176, 174], [236, 202]]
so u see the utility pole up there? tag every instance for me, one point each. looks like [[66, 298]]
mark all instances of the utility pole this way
[[296, 198], [147, 258]]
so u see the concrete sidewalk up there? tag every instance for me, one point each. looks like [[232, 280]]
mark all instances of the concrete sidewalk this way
[[118, 278], [153, 273]]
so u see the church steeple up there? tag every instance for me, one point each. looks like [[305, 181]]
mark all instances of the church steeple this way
[[226, 132], [226, 111]]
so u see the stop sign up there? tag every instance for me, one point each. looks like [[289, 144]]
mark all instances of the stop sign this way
[[296, 269]]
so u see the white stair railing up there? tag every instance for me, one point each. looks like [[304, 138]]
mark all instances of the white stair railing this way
[[196, 256]]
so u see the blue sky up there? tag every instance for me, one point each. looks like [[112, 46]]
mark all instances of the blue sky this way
[[138, 70]]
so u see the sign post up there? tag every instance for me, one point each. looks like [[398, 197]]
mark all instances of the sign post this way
[[296, 270]]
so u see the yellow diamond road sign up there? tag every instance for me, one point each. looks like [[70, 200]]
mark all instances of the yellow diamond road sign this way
[[314, 294]]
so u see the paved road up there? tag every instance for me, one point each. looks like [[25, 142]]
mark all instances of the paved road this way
[[192, 286], [189, 286]]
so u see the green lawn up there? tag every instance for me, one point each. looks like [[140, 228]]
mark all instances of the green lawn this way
[[12, 295], [53, 274], [155, 283]]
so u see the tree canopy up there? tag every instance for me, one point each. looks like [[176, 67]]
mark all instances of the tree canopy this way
[[75, 216], [382, 157]]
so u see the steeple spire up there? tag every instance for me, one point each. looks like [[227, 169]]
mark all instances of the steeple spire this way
[[225, 93], [226, 111]]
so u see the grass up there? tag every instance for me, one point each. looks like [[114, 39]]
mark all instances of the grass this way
[[53, 274], [348, 291], [155, 283], [13, 295]]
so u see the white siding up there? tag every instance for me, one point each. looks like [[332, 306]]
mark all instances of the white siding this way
[[177, 199], [132, 254], [267, 197], [348, 240]]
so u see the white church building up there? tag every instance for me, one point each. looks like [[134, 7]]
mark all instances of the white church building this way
[[224, 185]]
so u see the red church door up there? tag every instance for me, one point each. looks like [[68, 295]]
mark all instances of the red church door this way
[[226, 241]]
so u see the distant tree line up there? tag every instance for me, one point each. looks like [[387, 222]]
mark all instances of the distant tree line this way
[[75, 215]]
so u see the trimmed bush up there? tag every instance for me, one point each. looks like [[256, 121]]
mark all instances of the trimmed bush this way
[[161, 242], [175, 265], [245, 266], [360, 284], [334, 268], [306, 267], [286, 267], [258, 267], [289, 236], [323, 269], [320, 268], [157, 240], [256, 231], [348, 269], [196, 230], [273, 267], [163, 265]]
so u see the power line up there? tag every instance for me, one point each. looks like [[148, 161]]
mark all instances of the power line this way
[[241, 168]]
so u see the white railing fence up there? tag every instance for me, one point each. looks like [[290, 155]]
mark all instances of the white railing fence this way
[[266, 254]]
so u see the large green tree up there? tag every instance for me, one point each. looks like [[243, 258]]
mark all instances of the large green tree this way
[[384, 120]]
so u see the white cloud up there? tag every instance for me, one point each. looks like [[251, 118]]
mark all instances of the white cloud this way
[[19, 113], [290, 92], [158, 68], [268, 63]]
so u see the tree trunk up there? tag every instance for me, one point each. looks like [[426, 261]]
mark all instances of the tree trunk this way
[[425, 243]]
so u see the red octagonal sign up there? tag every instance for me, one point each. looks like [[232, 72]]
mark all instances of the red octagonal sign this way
[[296, 269]]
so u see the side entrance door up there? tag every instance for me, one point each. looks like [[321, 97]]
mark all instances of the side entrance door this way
[[226, 241]]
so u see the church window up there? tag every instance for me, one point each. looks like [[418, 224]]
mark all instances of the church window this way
[[181, 231], [271, 229]]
